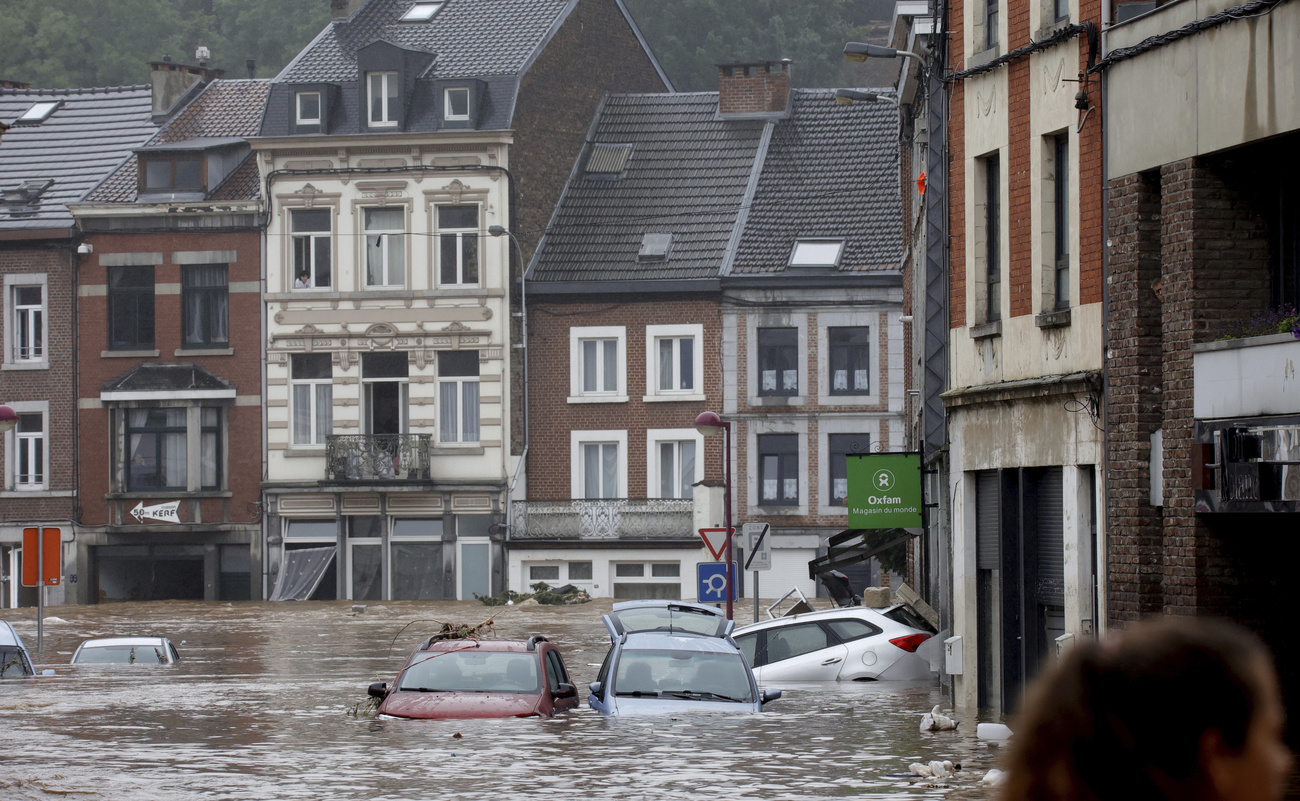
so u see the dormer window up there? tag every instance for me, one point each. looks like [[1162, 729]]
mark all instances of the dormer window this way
[[172, 173], [382, 99], [308, 108], [817, 253], [421, 12], [456, 103], [37, 114]]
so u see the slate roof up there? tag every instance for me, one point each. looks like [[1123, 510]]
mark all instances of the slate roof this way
[[472, 38], [224, 109], [85, 139], [828, 171], [686, 176], [166, 377]]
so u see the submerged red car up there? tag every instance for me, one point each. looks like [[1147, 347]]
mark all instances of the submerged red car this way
[[479, 679]]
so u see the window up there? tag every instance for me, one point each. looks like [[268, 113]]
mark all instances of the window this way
[[838, 448], [991, 24], [607, 161], [205, 305], [157, 441], [382, 100], [778, 469], [992, 241], [386, 392], [458, 397], [172, 173], [30, 451], [778, 361], [1060, 145], [816, 253], [312, 396], [385, 247], [130, 308], [26, 322], [596, 364], [676, 371], [674, 462], [456, 103], [308, 108], [579, 571], [660, 580], [39, 112], [850, 360], [458, 238], [543, 572], [421, 12], [310, 235], [599, 464], [1062, 8]]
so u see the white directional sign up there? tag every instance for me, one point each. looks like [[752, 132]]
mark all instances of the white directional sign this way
[[758, 546], [163, 511]]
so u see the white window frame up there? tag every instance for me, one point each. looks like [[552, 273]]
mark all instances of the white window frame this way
[[459, 382], [778, 426], [313, 412], [311, 236], [656, 333], [11, 447], [579, 335], [872, 321], [753, 323], [297, 107], [460, 246], [657, 436], [388, 119], [386, 235], [577, 439], [827, 426], [12, 284], [446, 104]]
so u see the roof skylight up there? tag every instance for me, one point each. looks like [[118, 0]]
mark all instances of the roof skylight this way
[[608, 160], [39, 112], [816, 253], [421, 12], [655, 247]]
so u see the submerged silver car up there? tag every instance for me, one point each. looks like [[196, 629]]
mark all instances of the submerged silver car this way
[[126, 651], [14, 661], [667, 657]]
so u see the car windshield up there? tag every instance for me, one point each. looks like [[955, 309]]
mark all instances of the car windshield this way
[[122, 655], [472, 671], [669, 618], [686, 675], [12, 662]]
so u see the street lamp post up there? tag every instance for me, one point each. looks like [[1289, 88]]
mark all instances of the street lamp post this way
[[708, 424], [8, 418]]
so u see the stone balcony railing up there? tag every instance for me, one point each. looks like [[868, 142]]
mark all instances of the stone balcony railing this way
[[377, 457], [1252, 377], [618, 518]]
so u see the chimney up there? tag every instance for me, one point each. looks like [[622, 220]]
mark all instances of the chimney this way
[[344, 8], [171, 81], [759, 88]]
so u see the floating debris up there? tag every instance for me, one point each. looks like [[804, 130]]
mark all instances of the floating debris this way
[[934, 720]]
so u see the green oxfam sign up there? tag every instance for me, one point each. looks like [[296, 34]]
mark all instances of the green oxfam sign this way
[[885, 490]]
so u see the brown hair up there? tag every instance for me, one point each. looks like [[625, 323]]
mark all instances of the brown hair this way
[[1124, 717]]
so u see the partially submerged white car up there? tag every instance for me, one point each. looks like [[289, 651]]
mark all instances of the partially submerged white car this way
[[853, 643], [126, 651], [14, 660]]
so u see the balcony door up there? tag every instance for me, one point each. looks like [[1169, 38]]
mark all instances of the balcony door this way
[[386, 407]]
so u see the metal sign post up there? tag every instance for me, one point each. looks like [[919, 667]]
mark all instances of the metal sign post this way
[[42, 567], [758, 554]]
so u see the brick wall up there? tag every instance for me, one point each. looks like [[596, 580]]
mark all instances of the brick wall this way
[[55, 385], [956, 171], [1018, 195], [552, 417], [243, 369]]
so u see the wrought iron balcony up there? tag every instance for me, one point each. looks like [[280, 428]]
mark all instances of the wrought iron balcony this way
[[377, 457], [618, 518]]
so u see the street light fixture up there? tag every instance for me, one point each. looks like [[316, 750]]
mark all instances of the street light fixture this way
[[708, 424], [859, 51], [8, 418], [846, 97]]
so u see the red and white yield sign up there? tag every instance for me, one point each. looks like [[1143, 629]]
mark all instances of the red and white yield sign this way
[[715, 539]]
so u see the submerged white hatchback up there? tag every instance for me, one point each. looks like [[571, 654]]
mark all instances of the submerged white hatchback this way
[[14, 660], [854, 643], [126, 651]]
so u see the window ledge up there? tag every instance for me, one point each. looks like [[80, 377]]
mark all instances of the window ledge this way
[[204, 352], [982, 58], [42, 365], [778, 400], [1048, 30], [177, 494], [452, 450], [597, 399], [986, 330], [778, 511], [129, 354], [697, 397], [304, 452], [1053, 319], [35, 493]]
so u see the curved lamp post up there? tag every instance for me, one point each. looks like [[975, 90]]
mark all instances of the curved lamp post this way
[[708, 424]]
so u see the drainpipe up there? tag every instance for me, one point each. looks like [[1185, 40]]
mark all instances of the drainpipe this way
[[266, 560]]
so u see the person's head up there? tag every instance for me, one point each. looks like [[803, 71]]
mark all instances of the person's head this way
[[303, 276], [1173, 708]]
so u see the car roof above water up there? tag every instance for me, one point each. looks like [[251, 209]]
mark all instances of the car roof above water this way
[[109, 642], [663, 641], [481, 645], [8, 636]]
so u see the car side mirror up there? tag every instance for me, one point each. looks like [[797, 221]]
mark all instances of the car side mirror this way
[[566, 690], [771, 695], [596, 687], [379, 690]]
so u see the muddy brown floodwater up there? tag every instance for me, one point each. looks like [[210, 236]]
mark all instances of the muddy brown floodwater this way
[[264, 705]]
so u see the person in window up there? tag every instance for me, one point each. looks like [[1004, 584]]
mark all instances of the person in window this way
[[303, 281]]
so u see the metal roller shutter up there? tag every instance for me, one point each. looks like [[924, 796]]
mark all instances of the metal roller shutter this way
[[1051, 537], [987, 516]]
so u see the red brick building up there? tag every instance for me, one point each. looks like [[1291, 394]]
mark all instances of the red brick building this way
[[170, 360]]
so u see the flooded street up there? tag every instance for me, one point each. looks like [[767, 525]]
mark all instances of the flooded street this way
[[269, 702]]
